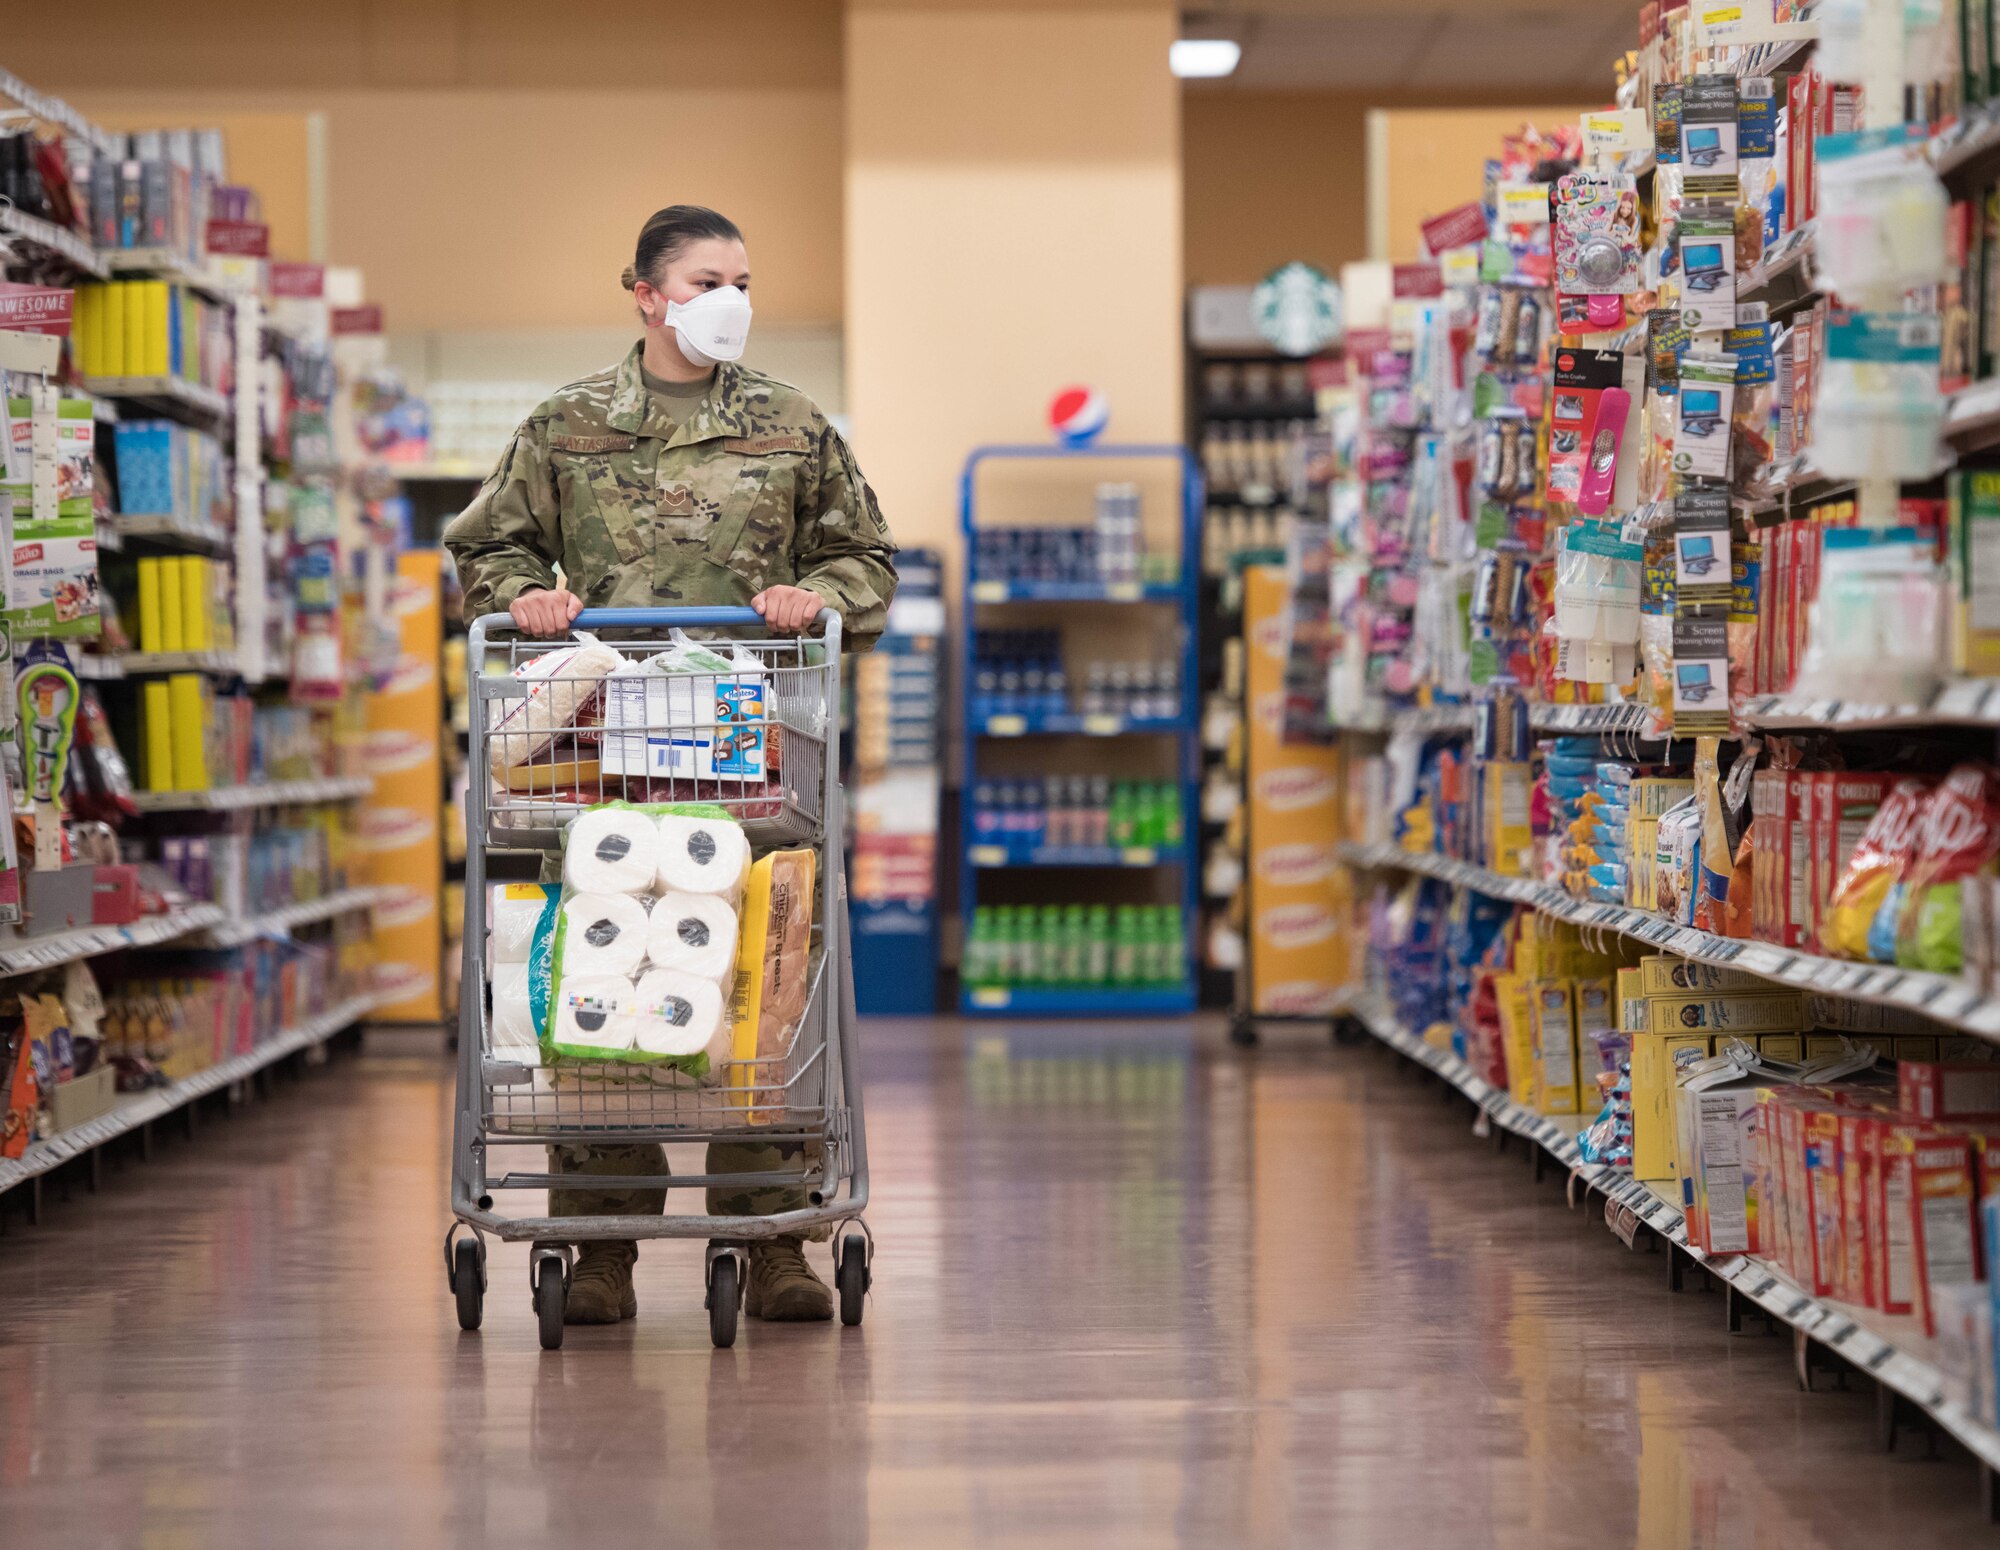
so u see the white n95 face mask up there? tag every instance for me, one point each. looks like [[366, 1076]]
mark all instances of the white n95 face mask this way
[[713, 327]]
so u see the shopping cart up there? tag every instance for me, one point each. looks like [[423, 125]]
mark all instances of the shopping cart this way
[[780, 779]]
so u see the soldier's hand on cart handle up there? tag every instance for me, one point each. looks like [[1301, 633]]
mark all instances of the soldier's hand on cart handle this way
[[545, 614], [788, 609]]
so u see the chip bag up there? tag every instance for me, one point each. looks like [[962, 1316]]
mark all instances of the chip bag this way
[[1885, 848], [1959, 837]]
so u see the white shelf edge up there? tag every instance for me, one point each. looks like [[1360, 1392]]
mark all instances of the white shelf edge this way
[[57, 239], [1835, 1324], [1939, 997], [281, 793], [138, 1109], [30, 955], [232, 932]]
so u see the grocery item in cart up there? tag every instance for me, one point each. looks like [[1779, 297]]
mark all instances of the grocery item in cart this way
[[687, 713], [773, 963], [562, 685], [695, 934], [680, 1014], [613, 850], [702, 855]]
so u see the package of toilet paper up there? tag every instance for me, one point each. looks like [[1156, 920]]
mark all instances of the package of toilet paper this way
[[637, 964]]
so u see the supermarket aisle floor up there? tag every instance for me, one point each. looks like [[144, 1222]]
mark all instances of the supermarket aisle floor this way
[[1128, 1294]]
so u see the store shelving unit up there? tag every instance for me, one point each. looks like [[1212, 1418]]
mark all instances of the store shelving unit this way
[[1891, 1350], [138, 1110], [1944, 998], [278, 922], [28, 954], [1182, 598]]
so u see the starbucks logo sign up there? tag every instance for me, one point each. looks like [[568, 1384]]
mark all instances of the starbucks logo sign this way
[[1297, 309]]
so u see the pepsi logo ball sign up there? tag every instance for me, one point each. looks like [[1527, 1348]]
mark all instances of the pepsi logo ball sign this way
[[1078, 415]]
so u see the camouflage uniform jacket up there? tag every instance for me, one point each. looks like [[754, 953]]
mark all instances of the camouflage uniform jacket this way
[[754, 490]]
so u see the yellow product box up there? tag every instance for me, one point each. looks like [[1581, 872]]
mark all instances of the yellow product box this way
[[1517, 1035], [1653, 796], [1656, 1059], [193, 582], [190, 698], [1555, 1046], [173, 628], [1789, 1047], [157, 764], [1667, 975], [1596, 1008], [1642, 863], [1631, 1002], [156, 354], [1784, 1012], [1509, 833], [152, 611]]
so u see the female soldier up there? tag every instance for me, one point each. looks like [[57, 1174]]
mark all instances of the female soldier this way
[[679, 478]]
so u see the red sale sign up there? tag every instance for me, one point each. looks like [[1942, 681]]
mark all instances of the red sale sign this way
[[299, 280], [35, 309], [1457, 228], [239, 239], [358, 320]]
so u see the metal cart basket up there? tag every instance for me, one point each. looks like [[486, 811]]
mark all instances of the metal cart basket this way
[[546, 746]]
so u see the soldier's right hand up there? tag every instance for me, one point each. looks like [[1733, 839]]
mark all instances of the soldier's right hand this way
[[543, 614]]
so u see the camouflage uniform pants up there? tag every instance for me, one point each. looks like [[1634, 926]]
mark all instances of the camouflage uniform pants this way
[[650, 1161]]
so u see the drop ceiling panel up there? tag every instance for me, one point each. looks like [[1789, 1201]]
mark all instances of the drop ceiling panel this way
[[1530, 54], [1304, 51]]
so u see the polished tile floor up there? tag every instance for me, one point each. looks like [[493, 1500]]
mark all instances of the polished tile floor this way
[[1131, 1291]]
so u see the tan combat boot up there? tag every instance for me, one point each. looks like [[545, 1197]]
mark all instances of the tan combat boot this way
[[600, 1288], [783, 1286]]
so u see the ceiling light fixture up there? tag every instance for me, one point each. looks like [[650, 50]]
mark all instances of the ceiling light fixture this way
[[1203, 59]]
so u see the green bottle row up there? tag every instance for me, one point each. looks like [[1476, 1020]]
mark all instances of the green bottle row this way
[[1086, 945]]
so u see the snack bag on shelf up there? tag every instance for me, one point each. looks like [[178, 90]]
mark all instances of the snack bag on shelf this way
[[1959, 838], [1885, 848]]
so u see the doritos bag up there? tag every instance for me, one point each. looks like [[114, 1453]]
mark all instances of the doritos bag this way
[[1958, 838], [1885, 848]]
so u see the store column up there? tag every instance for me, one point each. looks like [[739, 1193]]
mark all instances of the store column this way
[[1013, 226]]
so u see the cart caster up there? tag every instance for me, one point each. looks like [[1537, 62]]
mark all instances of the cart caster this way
[[725, 1296], [1242, 1031], [548, 1278], [851, 1273], [1348, 1030], [468, 1281]]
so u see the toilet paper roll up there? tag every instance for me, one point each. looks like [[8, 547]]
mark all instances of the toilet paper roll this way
[[603, 933], [514, 912], [511, 1033], [702, 855], [695, 933], [612, 850], [680, 1014], [593, 1014]]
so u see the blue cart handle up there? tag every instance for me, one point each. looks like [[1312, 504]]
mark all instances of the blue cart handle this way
[[713, 618]]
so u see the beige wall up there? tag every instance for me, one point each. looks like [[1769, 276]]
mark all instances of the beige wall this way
[[491, 161], [1013, 225], [1430, 159]]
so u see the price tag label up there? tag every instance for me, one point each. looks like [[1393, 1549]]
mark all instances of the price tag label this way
[[989, 591], [990, 996], [1006, 726], [1123, 591], [1139, 855], [1103, 726], [987, 855]]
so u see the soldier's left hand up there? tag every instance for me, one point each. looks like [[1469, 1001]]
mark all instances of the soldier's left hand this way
[[788, 609]]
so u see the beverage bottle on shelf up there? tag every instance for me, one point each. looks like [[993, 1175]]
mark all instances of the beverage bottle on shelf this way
[[1075, 946], [1173, 833], [1097, 829], [1166, 690], [1010, 686], [1007, 946], [1032, 688], [999, 964], [1173, 945], [1125, 947], [1118, 691], [1097, 947], [1142, 692], [1152, 826], [976, 966], [1049, 941], [1055, 688], [985, 816], [1121, 828], [1055, 812], [1097, 691], [1034, 817]]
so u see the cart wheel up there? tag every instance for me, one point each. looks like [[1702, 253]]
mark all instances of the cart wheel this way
[[724, 1298], [1242, 1031], [468, 1282], [852, 1275], [551, 1298]]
